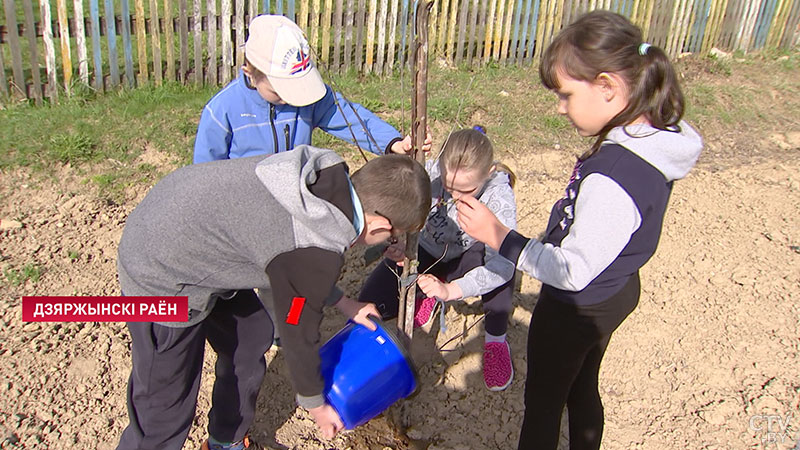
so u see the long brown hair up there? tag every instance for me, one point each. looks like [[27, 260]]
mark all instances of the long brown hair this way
[[602, 41]]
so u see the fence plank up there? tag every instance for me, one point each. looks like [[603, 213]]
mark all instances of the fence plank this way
[[776, 27], [451, 29], [80, 38], [498, 29], [710, 30], [126, 43], [183, 30], [3, 81], [441, 40], [533, 31], [462, 31], [50, 51], [541, 24], [392, 36], [348, 35], [786, 30], [514, 43], [433, 23], [94, 13], [382, 13], [211, 70], [472, 20], [372, 13], [302, 17], [30, 36], [682, 25], [337, 36], [252, 11], [239, 29], [791, 37], [327, 17], [523, 38], [141, 42], [764, 21], [155, 39], [549, 24], [359, 39], [279, 7], [227, 47], [698, 24], [480, 33], [403, 35], [472, 24], [314, 28], [746, 40], [507, 31], [290, 6], [672, 30], [63, 38], [487, 39], [197, 41], [169, 40], [648, 16], [111, 38]]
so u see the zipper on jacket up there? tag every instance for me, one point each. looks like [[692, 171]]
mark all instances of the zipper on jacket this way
[[274, 131], [286, 135]]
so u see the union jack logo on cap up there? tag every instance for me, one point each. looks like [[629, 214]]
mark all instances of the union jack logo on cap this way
[[304, 62]]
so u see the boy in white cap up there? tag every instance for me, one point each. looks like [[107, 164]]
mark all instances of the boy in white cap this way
[[279, 98]]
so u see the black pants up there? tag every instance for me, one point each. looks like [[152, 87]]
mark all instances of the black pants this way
[[566, 344], [168, 362], [382, 287]]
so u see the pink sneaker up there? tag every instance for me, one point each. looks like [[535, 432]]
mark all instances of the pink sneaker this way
[[497, 368], [424, 311]]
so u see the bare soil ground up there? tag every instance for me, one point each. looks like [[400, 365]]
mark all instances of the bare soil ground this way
[[710, 354]]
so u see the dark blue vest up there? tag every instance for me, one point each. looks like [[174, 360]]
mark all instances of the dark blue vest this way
[[650, 192]]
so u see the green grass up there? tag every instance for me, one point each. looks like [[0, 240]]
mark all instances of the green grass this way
[[101, 135], [19, 276]]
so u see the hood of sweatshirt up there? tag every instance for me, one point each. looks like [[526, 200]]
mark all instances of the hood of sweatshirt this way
[[672, 153], [315, 222]]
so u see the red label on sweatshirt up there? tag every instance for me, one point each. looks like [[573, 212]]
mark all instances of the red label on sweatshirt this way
[[293, 318]]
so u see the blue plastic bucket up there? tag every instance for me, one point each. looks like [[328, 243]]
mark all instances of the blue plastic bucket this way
[[365, 372]]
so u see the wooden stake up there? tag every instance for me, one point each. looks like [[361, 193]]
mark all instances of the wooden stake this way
[[419, 126]]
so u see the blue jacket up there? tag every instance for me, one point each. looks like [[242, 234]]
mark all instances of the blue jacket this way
[[238, 122]]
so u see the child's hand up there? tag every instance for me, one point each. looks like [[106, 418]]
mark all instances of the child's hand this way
[[432, 287], [358, 311], [479, 222], [327, 420], [405, 146]]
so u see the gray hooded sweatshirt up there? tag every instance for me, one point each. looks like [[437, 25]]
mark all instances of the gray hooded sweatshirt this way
[[608, 223], [283, 221]]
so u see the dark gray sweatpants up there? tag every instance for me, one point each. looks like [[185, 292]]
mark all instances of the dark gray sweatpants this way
[[168, 362]]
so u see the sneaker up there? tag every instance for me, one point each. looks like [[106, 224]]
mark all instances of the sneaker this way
[[424, 311], [497, 368], [244, 444]]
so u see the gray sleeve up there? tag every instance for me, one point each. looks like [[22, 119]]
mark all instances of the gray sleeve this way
[[605, 218], [496, 269]]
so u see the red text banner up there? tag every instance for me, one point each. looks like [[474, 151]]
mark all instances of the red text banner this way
[[105, 309]]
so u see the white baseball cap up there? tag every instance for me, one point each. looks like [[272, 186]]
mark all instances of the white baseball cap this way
[[277, 48]]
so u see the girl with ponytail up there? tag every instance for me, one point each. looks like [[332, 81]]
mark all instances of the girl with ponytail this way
[[616, 87]]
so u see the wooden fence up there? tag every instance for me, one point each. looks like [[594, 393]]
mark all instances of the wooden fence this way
[[44, 52]]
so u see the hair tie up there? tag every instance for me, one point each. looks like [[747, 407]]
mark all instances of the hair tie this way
[[643, 48], [479, 128]]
